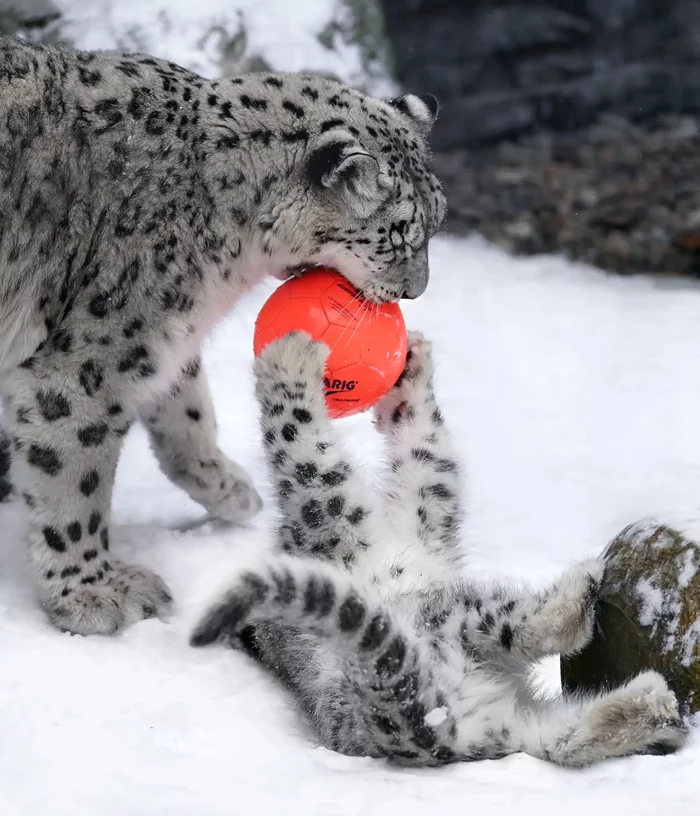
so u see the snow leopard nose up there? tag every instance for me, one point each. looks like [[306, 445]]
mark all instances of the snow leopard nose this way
[[416, 274]]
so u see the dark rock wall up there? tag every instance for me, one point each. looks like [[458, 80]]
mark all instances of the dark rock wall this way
[[567, 126], [501, 68]]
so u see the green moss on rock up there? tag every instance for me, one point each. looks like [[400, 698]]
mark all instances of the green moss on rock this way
[[648, 615]]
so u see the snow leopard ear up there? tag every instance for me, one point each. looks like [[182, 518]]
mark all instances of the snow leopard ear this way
[[343, 167], [422, 110]]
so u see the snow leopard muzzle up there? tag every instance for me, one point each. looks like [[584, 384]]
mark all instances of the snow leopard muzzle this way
[[416, 273]]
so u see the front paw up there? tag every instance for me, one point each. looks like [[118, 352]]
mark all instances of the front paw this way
[[570, 610], [414, 388], [294, 362], [115, 597]]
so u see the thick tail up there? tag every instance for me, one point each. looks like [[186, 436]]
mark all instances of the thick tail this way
[[361, 674], [314, 598]]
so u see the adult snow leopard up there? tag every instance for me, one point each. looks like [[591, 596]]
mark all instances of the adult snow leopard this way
[[387, 646], [138, 201]]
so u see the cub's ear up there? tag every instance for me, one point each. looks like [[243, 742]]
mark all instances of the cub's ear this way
[[422, 110], [339, 164]]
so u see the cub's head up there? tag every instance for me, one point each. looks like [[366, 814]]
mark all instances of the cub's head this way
[[360, 195]]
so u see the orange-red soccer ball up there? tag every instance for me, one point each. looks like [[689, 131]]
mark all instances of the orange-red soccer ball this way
[[367, 341]]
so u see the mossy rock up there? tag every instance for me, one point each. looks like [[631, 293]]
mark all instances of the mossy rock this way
[[648, 615]]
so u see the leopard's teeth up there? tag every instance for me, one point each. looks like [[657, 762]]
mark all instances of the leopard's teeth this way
[[299, 269]]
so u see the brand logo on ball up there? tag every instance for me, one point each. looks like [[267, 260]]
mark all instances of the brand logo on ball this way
[[338, 386]]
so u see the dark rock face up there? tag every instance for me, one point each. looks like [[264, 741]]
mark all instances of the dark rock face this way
[[567, 126], [501, 68], [621, 196]]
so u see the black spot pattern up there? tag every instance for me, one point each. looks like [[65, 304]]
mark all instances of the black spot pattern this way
[[45, 458], [305, 473], [53, 405], [289, 432], [392, 659], [375, 633], [93, 435], [94, 522], [302, 415], [335, 506], [356, 516], [54, 539], [506, 636], [312, 514], [351, 613], [286, 589], [89, 483], [91, 377]]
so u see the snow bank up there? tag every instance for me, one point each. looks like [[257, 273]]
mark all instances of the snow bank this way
[[573, 417]]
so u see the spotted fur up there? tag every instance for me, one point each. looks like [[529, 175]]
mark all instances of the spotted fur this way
[[138, 201], [367, 614]]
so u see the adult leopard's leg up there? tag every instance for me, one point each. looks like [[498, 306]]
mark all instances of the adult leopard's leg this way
[[182, 427], [67, 427]]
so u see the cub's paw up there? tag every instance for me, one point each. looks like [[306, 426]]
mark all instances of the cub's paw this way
[[292, 364], [649, 712], [568, 614], [414, 388], [117, 596]]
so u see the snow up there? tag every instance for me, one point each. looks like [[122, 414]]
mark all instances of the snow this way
[[661, 608], [574, 399], [204, 36], [436, 716], [688, 569], [652, 602]]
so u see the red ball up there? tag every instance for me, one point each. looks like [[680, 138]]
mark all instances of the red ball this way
[[367, 341]]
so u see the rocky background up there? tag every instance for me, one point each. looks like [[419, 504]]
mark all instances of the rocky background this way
[[567, 126]]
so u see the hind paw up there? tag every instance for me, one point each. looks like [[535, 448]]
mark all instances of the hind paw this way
[[647, 711]]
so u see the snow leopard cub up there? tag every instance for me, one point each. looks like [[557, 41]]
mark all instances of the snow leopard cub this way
[[367, 615]]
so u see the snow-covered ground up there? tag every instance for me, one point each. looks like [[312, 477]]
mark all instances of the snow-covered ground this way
[[574, 399]]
